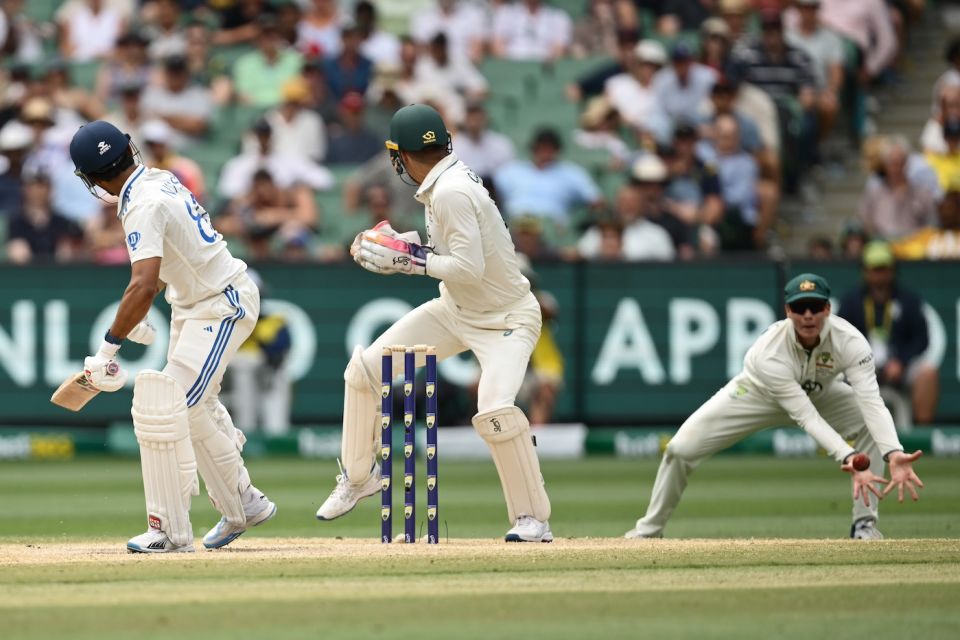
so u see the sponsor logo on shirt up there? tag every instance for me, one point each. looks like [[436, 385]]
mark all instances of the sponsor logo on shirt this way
[[133, 239], [866, 360]]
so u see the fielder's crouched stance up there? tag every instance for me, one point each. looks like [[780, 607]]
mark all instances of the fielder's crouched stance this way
[[180, 425], [791, 376], [485, 305]]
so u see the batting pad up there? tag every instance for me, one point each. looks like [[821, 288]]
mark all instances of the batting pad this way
[[507, 433], [218, 445], [361, 420], [166, 455]]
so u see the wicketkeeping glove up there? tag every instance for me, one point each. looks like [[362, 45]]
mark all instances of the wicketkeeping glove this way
[[383, 250]]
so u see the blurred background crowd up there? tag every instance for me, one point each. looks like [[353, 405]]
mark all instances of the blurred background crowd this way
[[605, 129]]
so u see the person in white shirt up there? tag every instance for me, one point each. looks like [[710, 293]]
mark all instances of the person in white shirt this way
[[528, 30], [379, 46], [485, 305], [640, 238], [633, 95], [457, 73], [178, 419], [296, 130], [794, 374], [480, 148], [466, 26]]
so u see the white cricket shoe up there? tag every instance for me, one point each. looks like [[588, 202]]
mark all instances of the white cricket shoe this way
[[865, 529], [636, 534], [345, 495], [155, 541], [529, 529], [256, 507]]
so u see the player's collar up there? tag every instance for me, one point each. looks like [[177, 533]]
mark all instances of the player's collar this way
[[435, 173], [127, 186]]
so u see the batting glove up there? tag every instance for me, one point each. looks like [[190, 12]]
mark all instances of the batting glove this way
[[102, 369]]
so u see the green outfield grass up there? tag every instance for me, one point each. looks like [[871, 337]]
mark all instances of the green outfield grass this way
[[64, 573]]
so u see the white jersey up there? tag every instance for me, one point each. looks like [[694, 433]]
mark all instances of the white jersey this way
[[782, 369], [161, 218], [474, 256]]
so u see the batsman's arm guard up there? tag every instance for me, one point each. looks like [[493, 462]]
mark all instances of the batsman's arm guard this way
[[507, 433], [166, 454]]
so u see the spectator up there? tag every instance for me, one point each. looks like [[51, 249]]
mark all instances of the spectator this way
[[852, 241], [67, 97], [297, 131], [258, 76], [480, 148], [411, 86], [594, 81], [186, 107], [723, 102], [459, 74], [378, 171], [820, 248], [683, 15], [127, 65], [378, 46], [736, 14], [15, 141], [681, 88], [466, 26], [38, 232], [693, 189], [165, 32], [267, 212], [348, 71], [350, 141], [321, 100], [932, 139], [156, 136], [105, 237], [893, 206], [89, 29], [868, 25], [130, 116], [750, 203], [648, 175], [528, 30], [598, 33], [891, 317], [545, 186], [947, 165], [935, 243], [950, 77], [319, 30], [237, 21], [639, 238], [204, 67], [715, 36], [600, 130], [633, 93], [825, 50], [236, 179], [530, 240], [289, 14], [19, 37]]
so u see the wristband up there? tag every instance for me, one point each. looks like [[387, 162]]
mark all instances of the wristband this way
[[112, 339]]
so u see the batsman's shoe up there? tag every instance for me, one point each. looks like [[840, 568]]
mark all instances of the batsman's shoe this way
[[637, 534], [258, 509], [345, 495], [529, 529], [865, 529], [156, 541]]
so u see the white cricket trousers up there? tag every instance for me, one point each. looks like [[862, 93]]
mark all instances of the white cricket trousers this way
[[733, 413], [501, 340]]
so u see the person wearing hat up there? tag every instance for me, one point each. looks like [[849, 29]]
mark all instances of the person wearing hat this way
[[632, 94], [794, 374], [947, 165], [297, 130], [178, 419], [683, 86], [485, 306], [891, 317]]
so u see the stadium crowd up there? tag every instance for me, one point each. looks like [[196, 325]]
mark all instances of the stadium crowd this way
[[691, 120]]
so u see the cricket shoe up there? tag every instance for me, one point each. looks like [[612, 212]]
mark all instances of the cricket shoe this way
[[865, 529], [637, 534], [256, 507], [345, 495], [529, 529], [156, 541]]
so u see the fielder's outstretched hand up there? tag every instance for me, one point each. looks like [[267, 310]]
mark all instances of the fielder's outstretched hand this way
[[902, 474]]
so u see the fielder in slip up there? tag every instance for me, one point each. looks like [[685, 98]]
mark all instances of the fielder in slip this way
[[791, 375], [485, 305], [177, 416]]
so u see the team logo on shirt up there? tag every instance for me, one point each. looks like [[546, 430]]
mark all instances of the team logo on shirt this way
[[133, 239], [825, 360]]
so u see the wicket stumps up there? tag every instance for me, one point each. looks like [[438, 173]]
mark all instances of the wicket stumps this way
[[409, 443]]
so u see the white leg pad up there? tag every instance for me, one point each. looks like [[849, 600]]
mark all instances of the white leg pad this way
[[507, 433], [361, 420], [166, 455], [218, 445]]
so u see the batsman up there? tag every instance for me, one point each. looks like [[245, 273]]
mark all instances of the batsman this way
[[178, 420], [485, 306], [794, 374]]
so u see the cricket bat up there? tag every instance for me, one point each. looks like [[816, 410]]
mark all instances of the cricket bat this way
[[75, 392]]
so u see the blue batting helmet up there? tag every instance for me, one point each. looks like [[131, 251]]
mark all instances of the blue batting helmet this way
[[96, 148]]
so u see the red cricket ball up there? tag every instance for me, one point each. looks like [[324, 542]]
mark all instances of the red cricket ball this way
[[860, 462]]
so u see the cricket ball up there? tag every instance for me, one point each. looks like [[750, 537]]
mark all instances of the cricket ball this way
[[860, 462]]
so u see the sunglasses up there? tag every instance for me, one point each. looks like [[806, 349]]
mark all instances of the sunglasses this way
[[800, 307]]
